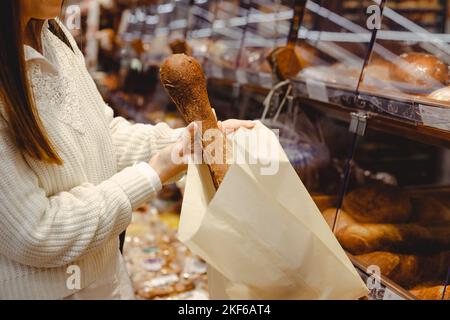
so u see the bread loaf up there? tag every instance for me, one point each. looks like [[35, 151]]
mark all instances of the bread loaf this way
[[180, 46], [363, 238], [360, 238], [343, 220], [409, 270], [184, 81], [378, 69], [378, 203], [284, 62], [431, 292], [442, 94], [429, 210], [419, 69]]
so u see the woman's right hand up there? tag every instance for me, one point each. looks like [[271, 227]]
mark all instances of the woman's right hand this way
[[173, 159]]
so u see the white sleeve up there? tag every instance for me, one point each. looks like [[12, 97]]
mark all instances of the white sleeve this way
[[135, 143], [53, 231]]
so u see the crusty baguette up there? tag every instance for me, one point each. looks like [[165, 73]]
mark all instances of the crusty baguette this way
[[184, 80], [431, 292], [359, 238], [409, 270]]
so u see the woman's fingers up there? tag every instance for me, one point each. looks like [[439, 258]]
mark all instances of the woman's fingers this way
[[232, 125], [190, 145]]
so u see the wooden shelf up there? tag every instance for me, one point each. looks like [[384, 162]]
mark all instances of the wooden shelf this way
[[385, 282], [379, 122]]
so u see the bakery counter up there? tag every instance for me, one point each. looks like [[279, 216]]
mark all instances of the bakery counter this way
[[431, 110], [383, 123], [397, 237], [402, 119]]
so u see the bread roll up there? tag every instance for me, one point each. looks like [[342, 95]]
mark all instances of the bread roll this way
[[364, 238], [284, 62], [408, 270], [442, 94], [184, 80], [419, 69], [378, 203], [180, 46], [378, 69], [429, 210], [431, 292], [359, 238], [343, 220]]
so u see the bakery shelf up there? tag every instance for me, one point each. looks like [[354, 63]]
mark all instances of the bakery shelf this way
[[388, 290], [379, 122], [338, 109], [390, 113]]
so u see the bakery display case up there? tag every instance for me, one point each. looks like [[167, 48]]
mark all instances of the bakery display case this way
[[334, 49], [395, 224], [200, 25], [363, 113], [429, 14], [387, 64], [267, 27]]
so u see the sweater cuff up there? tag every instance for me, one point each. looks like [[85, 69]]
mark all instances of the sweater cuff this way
[[139, 187], [150, 173]]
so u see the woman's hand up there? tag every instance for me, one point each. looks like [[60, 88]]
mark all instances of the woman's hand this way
[[173, 159], [232, 125]]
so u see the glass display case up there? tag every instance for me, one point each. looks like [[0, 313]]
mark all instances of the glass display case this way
[[267, 27], [200, 26], [375, 75], [226, 39], [334, 50], [379, 56], [394, 214]]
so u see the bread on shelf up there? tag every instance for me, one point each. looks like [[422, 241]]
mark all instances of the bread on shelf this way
[[429, 210], [432, 292], [180, 46], [285, 62], [359, 238], [406, 269], [442, 94], [419, 69], [378, 203]]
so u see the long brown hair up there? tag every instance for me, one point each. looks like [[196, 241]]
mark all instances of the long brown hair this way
[[21, 114]]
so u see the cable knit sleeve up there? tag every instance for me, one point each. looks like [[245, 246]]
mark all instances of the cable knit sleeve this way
[[133, 142], [138, 142], [53, 231]]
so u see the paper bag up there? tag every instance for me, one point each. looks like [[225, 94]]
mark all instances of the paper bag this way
[[262, 235]]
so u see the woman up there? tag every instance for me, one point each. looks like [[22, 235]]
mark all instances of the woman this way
[[70, 172]]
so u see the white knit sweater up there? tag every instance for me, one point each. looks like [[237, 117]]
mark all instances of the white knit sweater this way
[[52, 216]]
